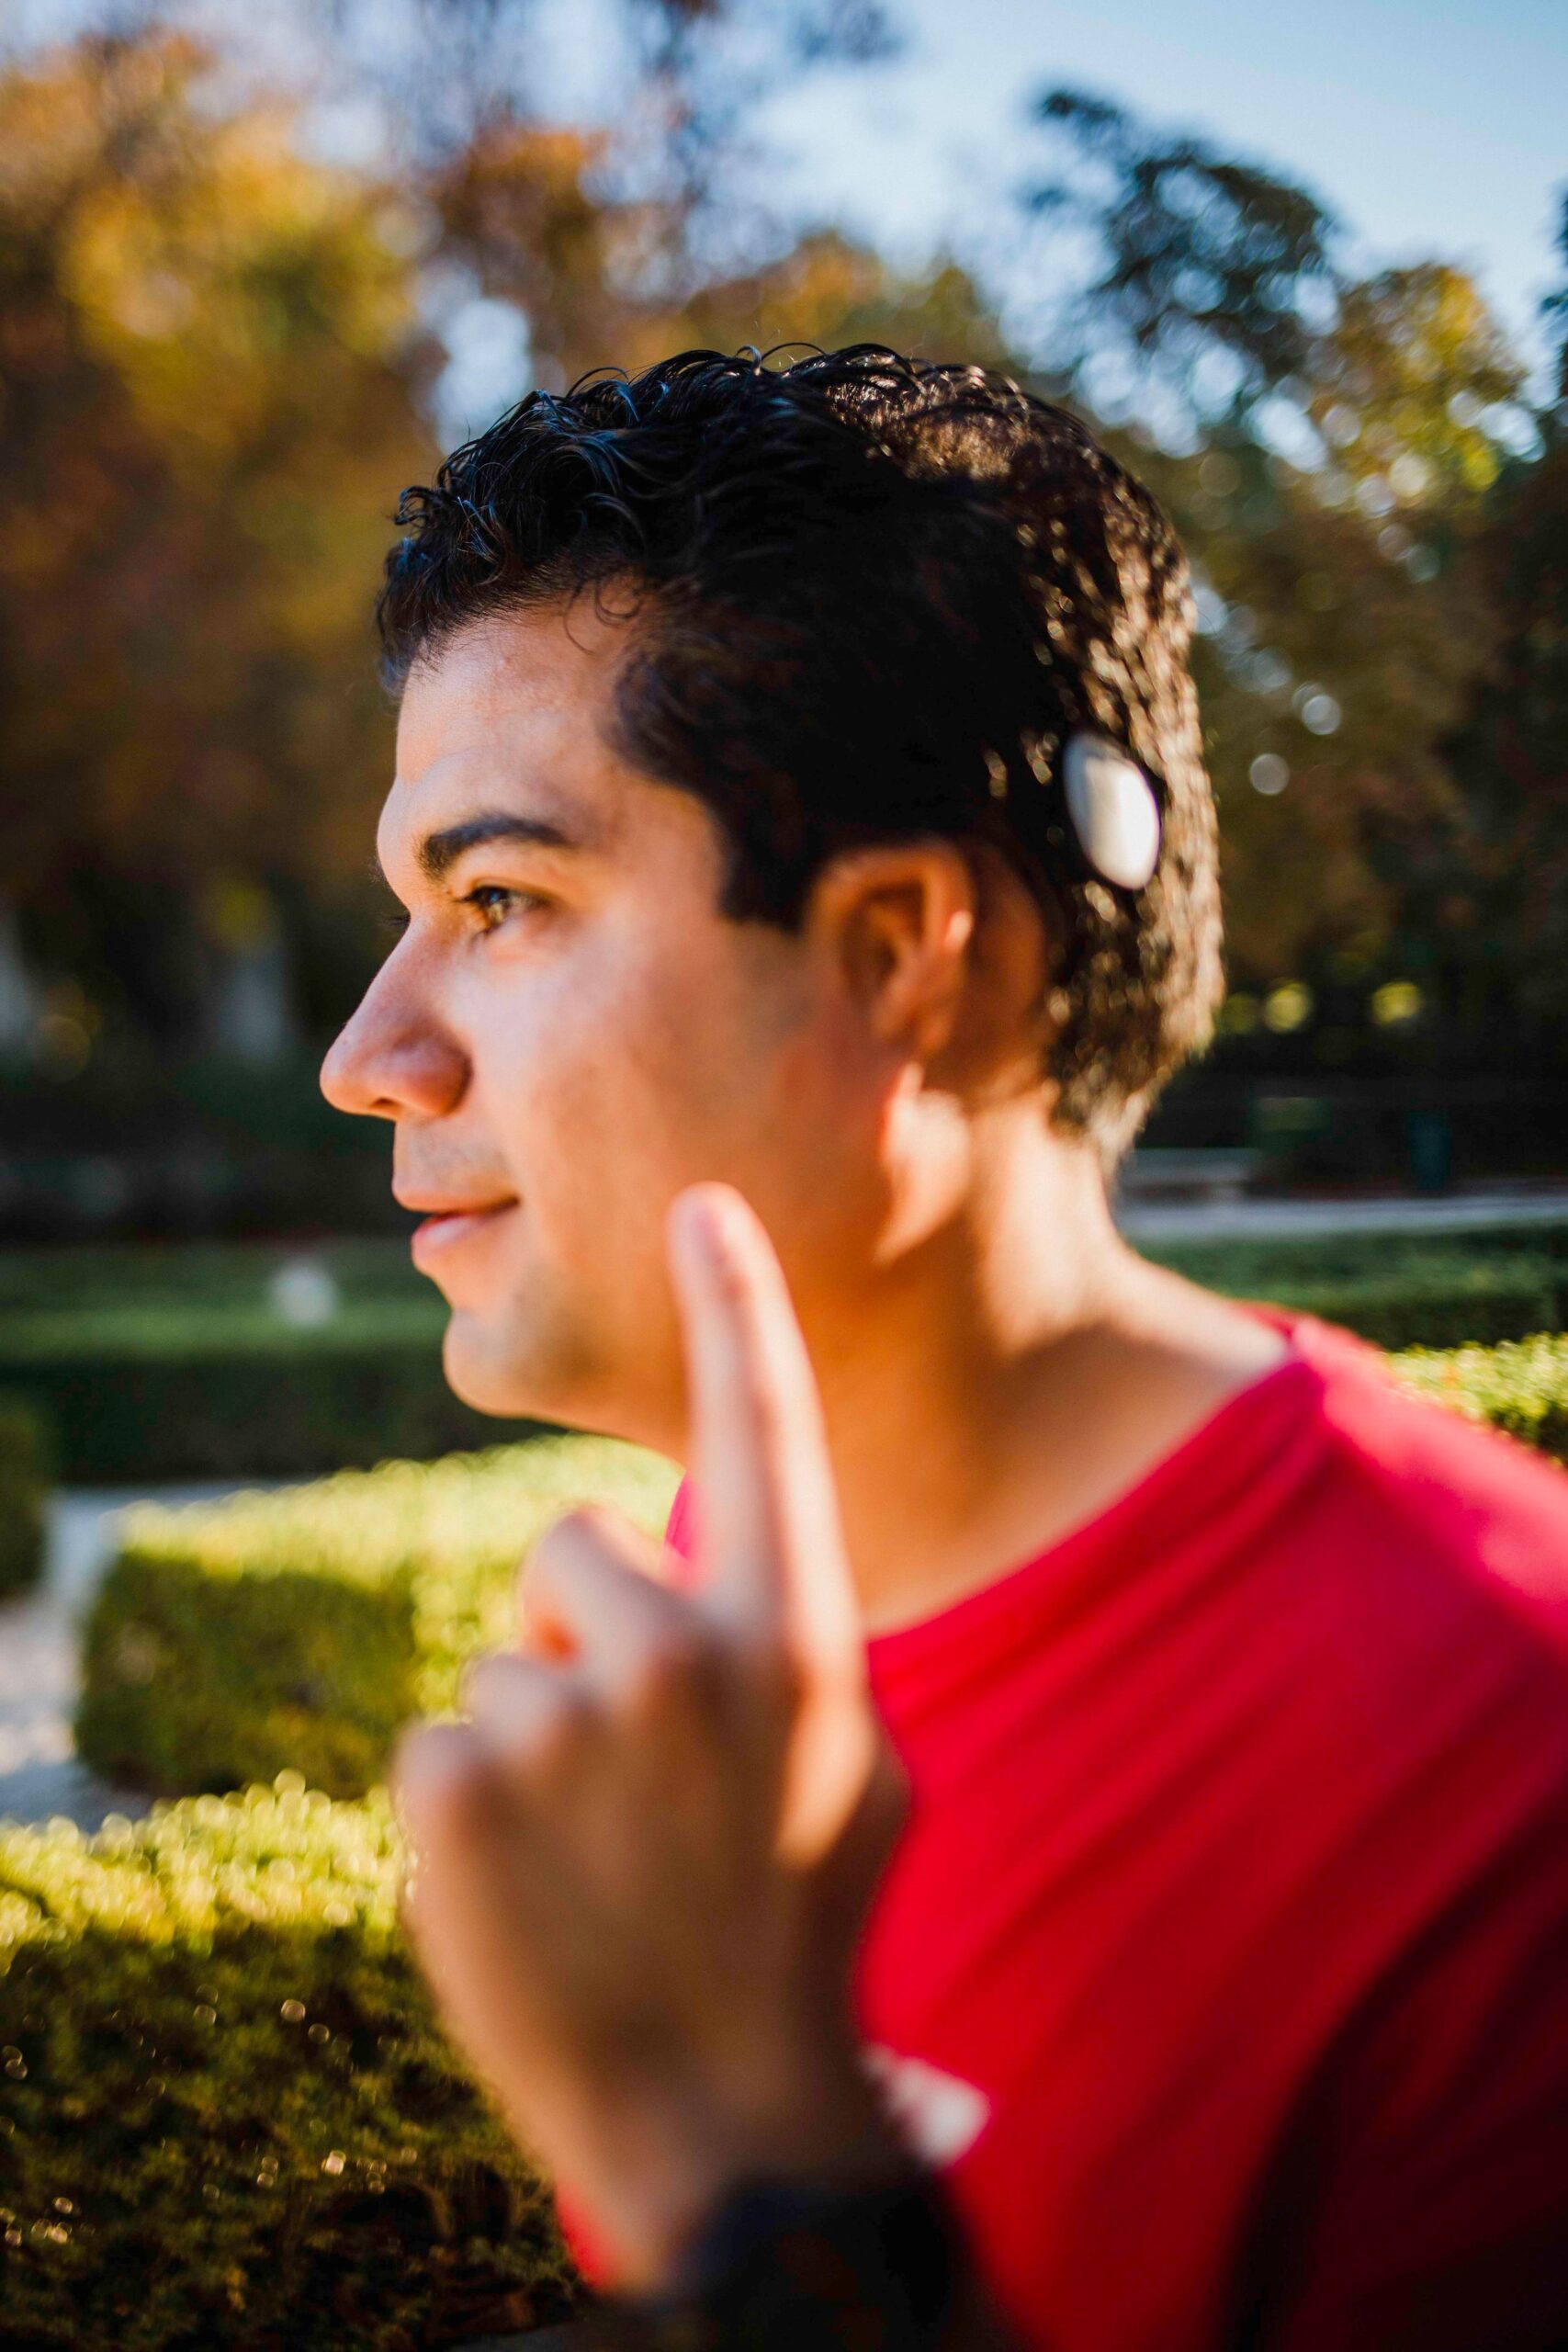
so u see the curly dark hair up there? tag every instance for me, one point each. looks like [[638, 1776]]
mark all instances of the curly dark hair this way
[[873, 596]]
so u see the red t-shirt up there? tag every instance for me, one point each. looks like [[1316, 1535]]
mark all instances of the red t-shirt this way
[[1224, 1964]]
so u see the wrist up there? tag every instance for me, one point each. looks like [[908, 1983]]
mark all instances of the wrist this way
[[810, 2266], [680, 2156]]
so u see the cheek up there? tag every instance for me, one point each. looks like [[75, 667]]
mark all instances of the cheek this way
[[594, 1076], [656, 1056], [809, 1155]]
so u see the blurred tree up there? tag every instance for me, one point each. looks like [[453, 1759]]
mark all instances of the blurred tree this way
[[516, 211], [1554, 309], [1327, 450], [208, 358], [1405, 387], [1202, 266], [220, 356], [1364, 619], [1496, 882], [216, 370], [828, 291]]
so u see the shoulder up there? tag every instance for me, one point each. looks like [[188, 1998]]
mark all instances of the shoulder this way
[[1417, 1482], [1424, 1568]]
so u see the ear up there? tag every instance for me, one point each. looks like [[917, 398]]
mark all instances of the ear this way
[[942, 953], [897, 921]]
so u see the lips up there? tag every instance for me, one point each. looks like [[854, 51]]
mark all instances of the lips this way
[[450, 1224]]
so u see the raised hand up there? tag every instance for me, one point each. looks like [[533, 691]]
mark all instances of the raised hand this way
[[639, 1871]]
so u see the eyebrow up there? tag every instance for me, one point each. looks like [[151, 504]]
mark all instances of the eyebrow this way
[[438, 853]]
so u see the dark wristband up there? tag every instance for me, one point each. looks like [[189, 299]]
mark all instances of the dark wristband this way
[[794, 2266]]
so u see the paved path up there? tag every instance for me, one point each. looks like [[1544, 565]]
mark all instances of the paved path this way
[[1262, 1219], [41, 1774]]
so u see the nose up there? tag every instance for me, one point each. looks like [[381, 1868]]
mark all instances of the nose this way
[[393, 1058]]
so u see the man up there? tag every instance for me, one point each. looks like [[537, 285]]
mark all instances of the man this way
[[800, 803]]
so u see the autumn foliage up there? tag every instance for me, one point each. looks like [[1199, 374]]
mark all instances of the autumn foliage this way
[[219, 360]]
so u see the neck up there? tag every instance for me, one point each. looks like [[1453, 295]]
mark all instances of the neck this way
[[1009, 1373]]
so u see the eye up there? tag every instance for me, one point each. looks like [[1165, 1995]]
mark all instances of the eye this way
[[493, 902], [394, 920]]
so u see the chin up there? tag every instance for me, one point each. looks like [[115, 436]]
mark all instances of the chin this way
[[514, 1376], [482, 1369]]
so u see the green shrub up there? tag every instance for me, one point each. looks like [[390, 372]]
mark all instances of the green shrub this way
[[1439, 1305], [150, 1395], [1397, 1290], [175, 1362], [98, 1279], [1521, 1387], [1256, 1267], [299, 1629], [24, 1490], [227, 2117], [172, 1362]]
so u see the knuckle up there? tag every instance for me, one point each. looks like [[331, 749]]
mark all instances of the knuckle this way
[[584, 1522], [487, 1683], [549, 1552], [550, 1746], [442, 1780], [586, 1527], [542, 1754], [531, 1722], [571, 1548], [559, 1536]]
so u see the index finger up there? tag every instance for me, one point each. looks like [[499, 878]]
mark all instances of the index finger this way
[[772, 1547]]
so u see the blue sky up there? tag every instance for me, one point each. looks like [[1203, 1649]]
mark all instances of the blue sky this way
[[1431, 126]]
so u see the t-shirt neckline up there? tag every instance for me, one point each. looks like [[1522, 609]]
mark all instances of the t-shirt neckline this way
[[1192, 1459]]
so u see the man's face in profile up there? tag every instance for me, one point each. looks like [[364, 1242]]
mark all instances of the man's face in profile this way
[[569, 1030]]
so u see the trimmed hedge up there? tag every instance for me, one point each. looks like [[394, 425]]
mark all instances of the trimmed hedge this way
[[171, 1363], [1257, 1265], [24, 1490], [156, 1395], [1399, 1290], [227, 2116], [231, 1642], [1522, 1388], [1440, 1305], [234, 1640]]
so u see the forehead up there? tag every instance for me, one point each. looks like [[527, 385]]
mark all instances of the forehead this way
[[512, 711]]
